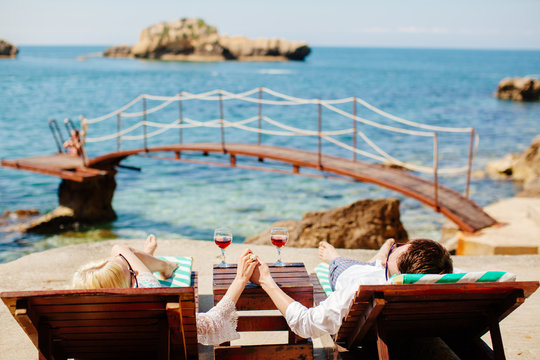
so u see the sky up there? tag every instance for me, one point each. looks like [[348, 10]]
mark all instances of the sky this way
[[468, 24]]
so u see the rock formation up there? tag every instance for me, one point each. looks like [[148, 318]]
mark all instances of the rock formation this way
[[365, 224], [194, 40], [88, 202], [519, 89], [523, 168], [121, 51], [7, 49]]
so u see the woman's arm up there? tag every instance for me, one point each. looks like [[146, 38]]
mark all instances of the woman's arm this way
[[218, 325], [137, 264], [246, 265]]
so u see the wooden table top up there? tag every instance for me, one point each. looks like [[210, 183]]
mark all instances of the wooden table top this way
[[292, 278]]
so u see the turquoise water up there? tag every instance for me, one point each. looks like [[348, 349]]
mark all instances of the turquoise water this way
[[180, 200]]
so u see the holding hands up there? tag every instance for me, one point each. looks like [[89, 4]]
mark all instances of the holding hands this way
[[246, 265], [261, 275]]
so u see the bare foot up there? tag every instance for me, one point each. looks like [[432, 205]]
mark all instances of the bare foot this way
[[150, 245], [327, 252], [167, 273]]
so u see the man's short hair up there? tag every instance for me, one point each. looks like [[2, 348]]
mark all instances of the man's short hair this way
[[425, 256]]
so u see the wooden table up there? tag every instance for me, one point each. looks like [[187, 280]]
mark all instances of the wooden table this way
[[294, 280]]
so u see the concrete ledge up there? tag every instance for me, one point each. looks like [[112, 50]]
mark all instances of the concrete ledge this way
[[517, 234]]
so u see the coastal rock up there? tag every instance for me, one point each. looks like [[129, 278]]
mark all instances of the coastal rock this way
[[48, 223], [194, 40], [120, 51], [523, 168], [7, 49], [10, 218], [365, 224], [88, 202], [242, 48], [519, 89]]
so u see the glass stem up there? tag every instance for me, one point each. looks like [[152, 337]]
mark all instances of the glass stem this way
[[279, 254], [223, 256]]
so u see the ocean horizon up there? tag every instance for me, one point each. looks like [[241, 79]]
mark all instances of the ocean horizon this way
[[440, 87]]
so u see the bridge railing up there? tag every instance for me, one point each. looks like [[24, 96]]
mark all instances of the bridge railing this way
[[256, 96]]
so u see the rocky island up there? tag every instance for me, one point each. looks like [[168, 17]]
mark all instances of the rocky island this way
[[519, 89], [7, 50], [195, 40]]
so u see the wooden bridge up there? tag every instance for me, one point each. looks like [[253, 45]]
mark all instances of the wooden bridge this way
[[462, 211], [91, 171]]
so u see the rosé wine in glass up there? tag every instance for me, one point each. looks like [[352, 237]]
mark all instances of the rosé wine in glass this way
[[279, 237], [223, 242], [223, 238]]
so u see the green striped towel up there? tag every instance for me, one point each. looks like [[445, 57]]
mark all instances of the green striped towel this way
[[322, 272], [182, 275], [470, 277]]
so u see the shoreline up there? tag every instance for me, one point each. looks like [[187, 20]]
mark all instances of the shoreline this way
[[52, 269]]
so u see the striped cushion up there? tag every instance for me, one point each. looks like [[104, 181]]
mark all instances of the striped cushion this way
[[470, 277], [182, 275], [322, 271]]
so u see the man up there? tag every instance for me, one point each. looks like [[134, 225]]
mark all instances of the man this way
[[420, 256]]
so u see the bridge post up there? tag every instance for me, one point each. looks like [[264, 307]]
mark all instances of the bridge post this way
[[319, 131], [90, 201], [436, 171], [222, 125], [180, 117], [470, 164], [118, 127], [260, 117], [144, 123], [354, 128]]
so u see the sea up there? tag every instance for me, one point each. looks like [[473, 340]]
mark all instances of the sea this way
[[188, 200]]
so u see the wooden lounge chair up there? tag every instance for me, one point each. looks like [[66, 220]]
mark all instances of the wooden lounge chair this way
[[457, 313], [151, 323]]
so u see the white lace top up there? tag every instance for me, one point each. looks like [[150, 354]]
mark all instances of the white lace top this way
[[214, 327], [218, 325]]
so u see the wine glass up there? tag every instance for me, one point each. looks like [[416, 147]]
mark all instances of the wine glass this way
[[279, 237], [223, 238]]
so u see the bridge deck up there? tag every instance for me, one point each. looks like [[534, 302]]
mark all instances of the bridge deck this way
[[60, 165], [462, 211]]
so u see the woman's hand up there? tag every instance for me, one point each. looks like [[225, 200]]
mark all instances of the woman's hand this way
[[246, 265]]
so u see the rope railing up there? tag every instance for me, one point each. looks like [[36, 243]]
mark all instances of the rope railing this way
[[255, 96]]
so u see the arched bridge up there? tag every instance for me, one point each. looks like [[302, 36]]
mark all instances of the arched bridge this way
[[462, 211], [456, 207]]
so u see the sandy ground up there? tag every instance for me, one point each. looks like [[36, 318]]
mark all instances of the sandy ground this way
[[52, 269]]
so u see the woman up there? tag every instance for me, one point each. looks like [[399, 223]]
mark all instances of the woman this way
[[128, 267], [73, 145]]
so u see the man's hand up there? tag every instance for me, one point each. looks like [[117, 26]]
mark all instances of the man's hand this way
[[261, 274]]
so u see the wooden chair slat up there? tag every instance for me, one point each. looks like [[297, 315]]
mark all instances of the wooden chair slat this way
[[107, 323], [452, 311]]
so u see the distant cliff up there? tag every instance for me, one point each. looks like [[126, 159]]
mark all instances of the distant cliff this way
[[7, 49], [194, 40]]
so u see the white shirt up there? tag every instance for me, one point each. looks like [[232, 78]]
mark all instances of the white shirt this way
[[328, 315]]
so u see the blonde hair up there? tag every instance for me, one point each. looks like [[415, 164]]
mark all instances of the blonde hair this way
[[99, 275]]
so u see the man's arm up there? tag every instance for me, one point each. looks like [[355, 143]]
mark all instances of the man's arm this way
[[323, 319], [383, 251], [261, 276]]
